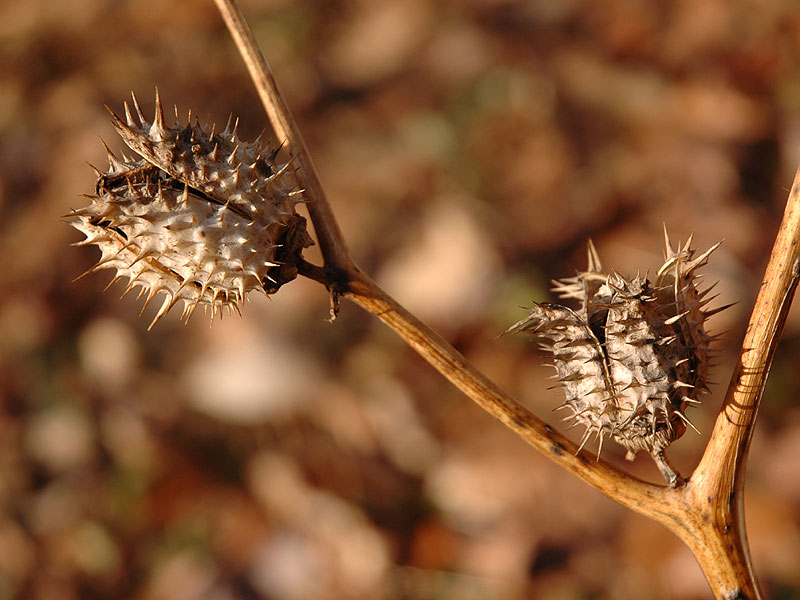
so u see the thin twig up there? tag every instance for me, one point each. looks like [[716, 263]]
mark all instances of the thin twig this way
[[720, 474], [705, 511], [331, 240], [727, 449], [454, 366]]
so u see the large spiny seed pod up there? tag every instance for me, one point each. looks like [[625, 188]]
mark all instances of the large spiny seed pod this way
[[635, 354], [202, 217]]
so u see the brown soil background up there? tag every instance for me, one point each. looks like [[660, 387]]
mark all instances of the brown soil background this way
[[470, 149]]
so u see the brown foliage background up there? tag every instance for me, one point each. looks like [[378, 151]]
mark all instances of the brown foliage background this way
[[470, 149]]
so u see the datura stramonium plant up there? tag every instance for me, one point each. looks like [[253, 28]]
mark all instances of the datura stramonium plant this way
[[199, 216], [634, 355], [202, 218]]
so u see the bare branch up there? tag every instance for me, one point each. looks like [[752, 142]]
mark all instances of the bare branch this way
[[705, 511], [727, 450], [331, 240]]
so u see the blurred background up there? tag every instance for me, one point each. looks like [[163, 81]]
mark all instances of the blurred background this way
[[470, 149]]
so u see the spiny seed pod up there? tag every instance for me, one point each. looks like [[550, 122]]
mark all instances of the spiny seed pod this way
[[202, 217], [635, 354]]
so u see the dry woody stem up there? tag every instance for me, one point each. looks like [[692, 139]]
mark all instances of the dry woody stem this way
[[706, 510], [331, 240]]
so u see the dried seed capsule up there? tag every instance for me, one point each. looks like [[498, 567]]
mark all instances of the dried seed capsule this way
[[634, 356], [202, 217]]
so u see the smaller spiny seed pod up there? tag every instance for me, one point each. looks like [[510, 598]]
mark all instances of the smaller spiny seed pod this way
[[634, 356], [201, 217]]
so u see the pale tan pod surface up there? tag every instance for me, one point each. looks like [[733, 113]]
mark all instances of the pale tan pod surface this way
[[202, 218], [634, 355]]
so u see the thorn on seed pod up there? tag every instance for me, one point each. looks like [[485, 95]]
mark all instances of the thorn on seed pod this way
[[185, 221], [639, 351]]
